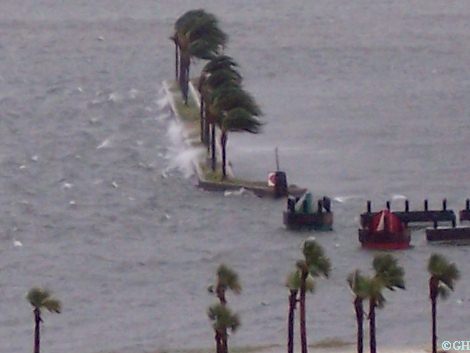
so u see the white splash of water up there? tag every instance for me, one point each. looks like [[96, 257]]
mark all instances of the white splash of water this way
[[106, 143], [239, 192], [66, 185], [344, 199], [183, 161], [133, 93], [180, 155], [114, 97], [399, 197], [163, 102]]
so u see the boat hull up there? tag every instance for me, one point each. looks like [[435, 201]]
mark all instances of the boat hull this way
[[316, 220], [448, 234], [385, 240]]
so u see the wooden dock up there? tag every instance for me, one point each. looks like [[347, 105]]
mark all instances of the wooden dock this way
[[448, 234], [407, 216]]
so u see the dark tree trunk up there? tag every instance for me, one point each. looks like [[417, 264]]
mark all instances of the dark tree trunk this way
[[373, 346], [218, 342], [223, 142], [290, 320], [37, 322], [213, 154], [303, 328], [433, 292], [224, 341], [220, 292], [203, 121], [184, 75], [360, 319], [176, 61]]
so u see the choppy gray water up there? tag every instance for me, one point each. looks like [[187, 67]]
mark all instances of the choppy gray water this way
[[365, 99]]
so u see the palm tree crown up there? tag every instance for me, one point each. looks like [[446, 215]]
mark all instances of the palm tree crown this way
[[316, 262], [223, 318], [444, 273], [388, 271], [42, 299]]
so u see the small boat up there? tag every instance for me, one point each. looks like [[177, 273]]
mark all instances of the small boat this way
[[300, 214], [385, 231]]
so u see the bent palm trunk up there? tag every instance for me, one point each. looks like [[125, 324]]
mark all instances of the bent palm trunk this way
[[303, 328], [213, 154], [373, 347], [223, 140], [290, 321], [433, 292], [360, 319], [37, 321], [184, 75]]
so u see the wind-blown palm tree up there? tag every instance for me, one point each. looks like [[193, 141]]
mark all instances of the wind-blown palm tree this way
[[226, 279], [442, 280], [41, 299], [315, 264], [222, 319], [388, 274], [220, 71], [196, 35], [234, 110], [359, 286], [293, 284]]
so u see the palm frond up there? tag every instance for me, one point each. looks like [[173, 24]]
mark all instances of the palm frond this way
[[294, 279], [318, 263], [443, 291], [220, 62], [239, 119], [222, 317], [199, 29], [445, 272], [53, 305], [358, 284], [228, 279], [36, 296], [229, 97], [374, 291], [221, 77], [42, 299], [388, 271]]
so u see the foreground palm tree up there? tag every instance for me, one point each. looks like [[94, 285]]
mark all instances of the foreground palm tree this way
[[389, 275], [226, 279], [41, 299], [442, 280], [196, 35], [293, 284], [315, 264], [222, 319], [359, 286]]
